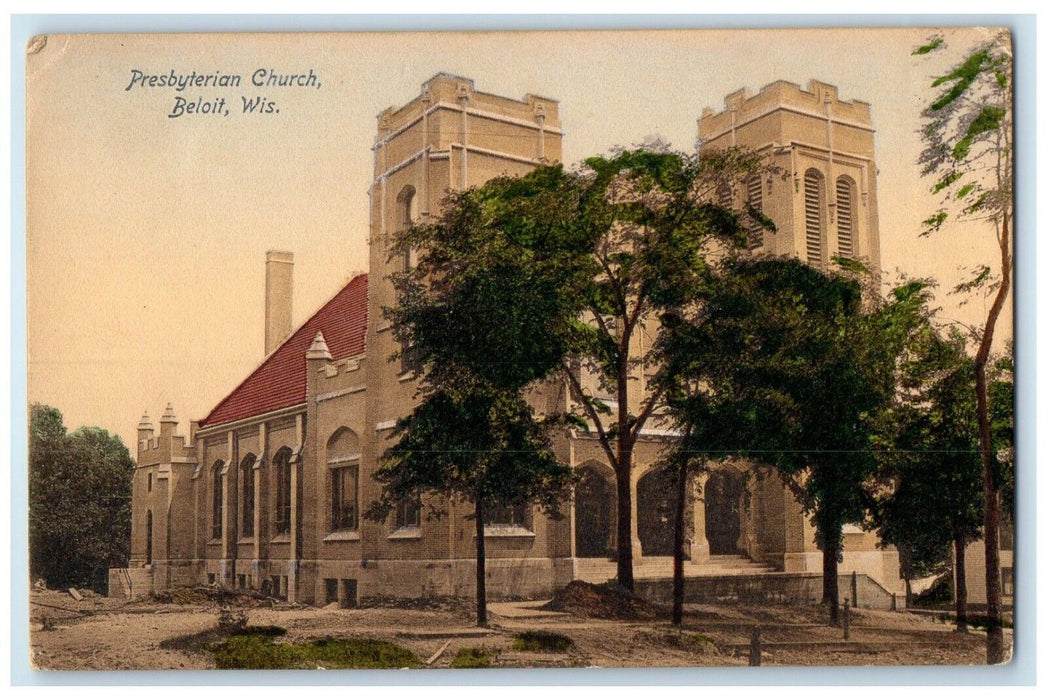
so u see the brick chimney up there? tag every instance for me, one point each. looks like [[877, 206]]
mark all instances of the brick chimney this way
[[279, 266]]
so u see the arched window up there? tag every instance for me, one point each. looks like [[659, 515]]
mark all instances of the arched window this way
[[343, 463], [813, 198], [282, 471], [754, 197], [217, 498], [405, 216], [846, 220], [247, 495]]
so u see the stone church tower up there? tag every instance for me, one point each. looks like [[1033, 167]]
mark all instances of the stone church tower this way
[[826, 207], [449, 138]]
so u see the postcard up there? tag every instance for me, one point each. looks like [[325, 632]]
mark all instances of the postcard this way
[[571, 349]]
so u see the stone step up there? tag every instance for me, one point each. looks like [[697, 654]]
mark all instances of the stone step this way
[[127, 583], [600, 570]]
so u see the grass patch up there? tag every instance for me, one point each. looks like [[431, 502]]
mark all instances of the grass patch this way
[[542, 641], [258, 651], [473, 657], [699, 638], [210, 638]]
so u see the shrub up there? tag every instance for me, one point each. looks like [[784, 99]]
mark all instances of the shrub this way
[[473, 657], [258, 651], [541, 641]]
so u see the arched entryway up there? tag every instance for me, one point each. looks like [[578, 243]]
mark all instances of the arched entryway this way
[[656, 512], [723, 509], [595, 502]]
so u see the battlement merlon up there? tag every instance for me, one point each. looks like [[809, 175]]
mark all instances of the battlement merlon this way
[[819, 100], [167, 447], [450, 91]]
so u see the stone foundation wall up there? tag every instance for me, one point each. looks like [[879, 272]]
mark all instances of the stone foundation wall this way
[[506, 578], [774, 588]]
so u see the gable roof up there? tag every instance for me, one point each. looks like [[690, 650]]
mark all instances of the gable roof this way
[[280, 380]]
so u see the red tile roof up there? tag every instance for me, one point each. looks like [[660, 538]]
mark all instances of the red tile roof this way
[[279, 381]]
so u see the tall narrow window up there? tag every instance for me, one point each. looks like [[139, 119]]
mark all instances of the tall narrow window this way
[[247, 496], [754, 197], [149, 537], [405, 203], [846, 223], [282, 466], [216, 503], [812, 204], [343, 462], [404, 219], [343, 497], [409, 512]]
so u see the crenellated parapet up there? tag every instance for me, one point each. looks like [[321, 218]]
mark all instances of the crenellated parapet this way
[[819, 101], [168, 446], [445, 91]]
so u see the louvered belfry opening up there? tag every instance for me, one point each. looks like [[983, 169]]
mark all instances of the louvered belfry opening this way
[[812, 204], [754, 196], [724, 196], [845, 217]]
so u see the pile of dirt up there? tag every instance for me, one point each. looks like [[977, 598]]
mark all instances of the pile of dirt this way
[[605, 601], [210, 594]]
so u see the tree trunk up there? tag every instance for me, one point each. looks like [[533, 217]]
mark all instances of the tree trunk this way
[[678, 531], [623, 471], [481, 568], [625, 525], [994, 650], [908, 592], [831, 578], [961, 583]]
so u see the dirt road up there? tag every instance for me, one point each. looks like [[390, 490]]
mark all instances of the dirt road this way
[[99, 633]]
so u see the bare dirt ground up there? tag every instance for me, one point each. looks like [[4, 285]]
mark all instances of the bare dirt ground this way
[[143, 633]]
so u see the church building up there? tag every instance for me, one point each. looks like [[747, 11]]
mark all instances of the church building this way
[[266, 491]]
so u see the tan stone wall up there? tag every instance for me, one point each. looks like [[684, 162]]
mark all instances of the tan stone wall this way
[[974, 561], [533, 578]]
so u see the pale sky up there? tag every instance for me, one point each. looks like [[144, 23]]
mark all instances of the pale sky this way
[[147, 235]]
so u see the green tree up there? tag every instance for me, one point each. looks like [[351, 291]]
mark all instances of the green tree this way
[[930, 498], [79, 501], [630, 236], [470, 442], [968, 151], [783, 364], [480, 318]]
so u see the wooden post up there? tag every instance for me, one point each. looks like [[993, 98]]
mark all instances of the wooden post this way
[[854, 588], [847, 618], [754, 647]]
